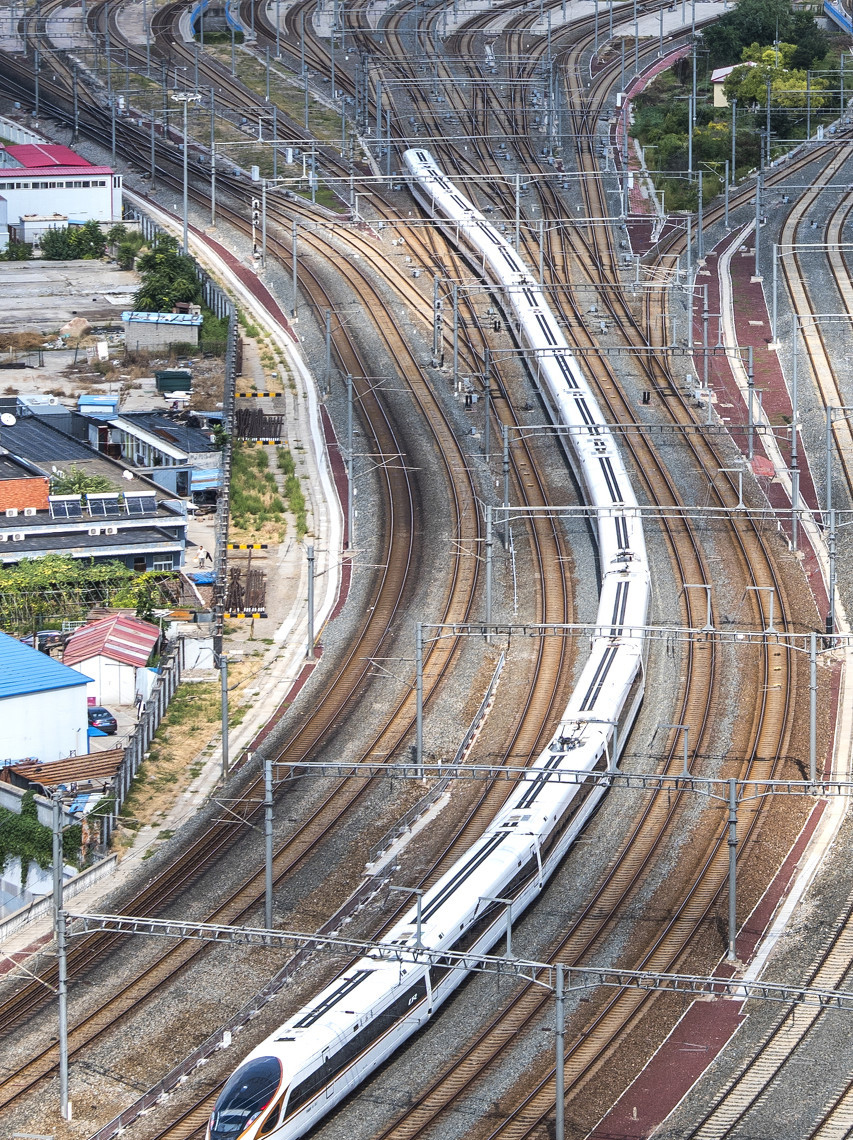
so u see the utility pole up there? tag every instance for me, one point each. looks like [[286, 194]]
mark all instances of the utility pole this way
[[212, 157], [268, 819], [560, 1073], [61, 959], [295, 282], [223, 679], [310, 653]]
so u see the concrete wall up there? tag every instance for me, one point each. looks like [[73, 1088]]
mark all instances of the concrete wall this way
[[148, 335], [15, 133], [11, 796], [49, 726]]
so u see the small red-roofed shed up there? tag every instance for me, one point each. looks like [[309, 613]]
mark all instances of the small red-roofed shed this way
[[111, 650]]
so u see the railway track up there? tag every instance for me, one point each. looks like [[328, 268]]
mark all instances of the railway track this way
[[311, 738], [604, 263], [770, 728], [811, 331]]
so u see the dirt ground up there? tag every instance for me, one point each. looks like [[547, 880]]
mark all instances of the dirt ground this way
[[190, 728]]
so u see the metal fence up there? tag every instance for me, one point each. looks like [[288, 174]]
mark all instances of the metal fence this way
[[150, 716], [170, 664]]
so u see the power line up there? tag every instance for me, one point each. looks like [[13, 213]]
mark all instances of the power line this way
[[543, 974]]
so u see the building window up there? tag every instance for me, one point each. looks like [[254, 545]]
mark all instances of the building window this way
[[140, 565], [162, 564]]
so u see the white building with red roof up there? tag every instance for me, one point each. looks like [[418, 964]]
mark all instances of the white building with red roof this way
[[110, 651], [48, 187]]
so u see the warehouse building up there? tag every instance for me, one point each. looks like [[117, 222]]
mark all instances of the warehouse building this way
[[42, 703], [48, 187], [111, 650]]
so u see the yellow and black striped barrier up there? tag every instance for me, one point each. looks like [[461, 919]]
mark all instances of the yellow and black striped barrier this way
[[247, 614], [267, 442], [258, 395], [248, 546]]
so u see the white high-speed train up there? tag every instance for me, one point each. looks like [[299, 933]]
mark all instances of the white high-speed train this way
[[321, 1054]]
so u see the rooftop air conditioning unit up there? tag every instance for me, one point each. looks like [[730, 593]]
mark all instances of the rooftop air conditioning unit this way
[[94, 530], [110, 530], [11, 512], [4, 537], [29, 511], [18, 536]]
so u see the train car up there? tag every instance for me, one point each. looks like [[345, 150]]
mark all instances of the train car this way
[[308, 1065]]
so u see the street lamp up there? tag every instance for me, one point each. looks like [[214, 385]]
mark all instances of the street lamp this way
[[185, 97]]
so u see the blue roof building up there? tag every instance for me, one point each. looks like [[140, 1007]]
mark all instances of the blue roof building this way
[[43, 706]]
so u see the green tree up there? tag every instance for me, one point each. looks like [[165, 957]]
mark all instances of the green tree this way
[[750, 21], [84, 243], [167, 277], [812, 42], [56, 245], [777, 55], [17, 251], [748, 84], [76, 481], [160, 292], [88, 241], [116, 234]]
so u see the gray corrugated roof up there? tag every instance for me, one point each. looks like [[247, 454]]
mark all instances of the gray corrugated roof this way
[[146, 538], [174, 432], [33, 439]]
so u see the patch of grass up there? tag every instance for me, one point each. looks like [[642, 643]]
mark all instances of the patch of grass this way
[[238, 716], [255, 500]]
